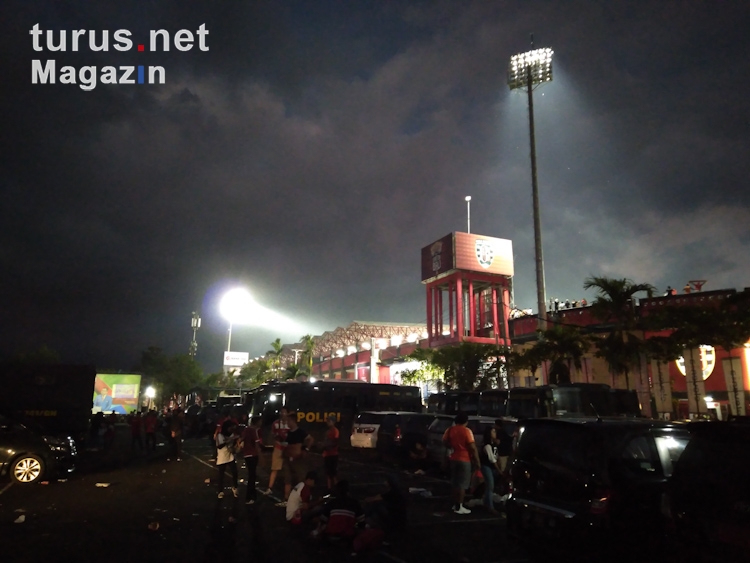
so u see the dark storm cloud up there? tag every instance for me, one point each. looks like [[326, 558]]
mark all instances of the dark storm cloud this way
[[317, 146]]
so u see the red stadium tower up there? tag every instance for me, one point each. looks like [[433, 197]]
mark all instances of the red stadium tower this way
[[468, 280]]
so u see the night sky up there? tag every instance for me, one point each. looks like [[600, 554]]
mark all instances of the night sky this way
[[317, 146]]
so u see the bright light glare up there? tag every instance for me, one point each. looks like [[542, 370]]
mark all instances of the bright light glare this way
[[538, 62], [468, 198], [237, 306], [272, 398], [313, 380], [150, 392]]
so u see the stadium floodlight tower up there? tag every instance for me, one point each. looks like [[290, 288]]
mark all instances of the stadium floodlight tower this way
[[525, 72]]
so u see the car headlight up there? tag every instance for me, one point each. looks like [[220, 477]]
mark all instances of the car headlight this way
[[57, 444]]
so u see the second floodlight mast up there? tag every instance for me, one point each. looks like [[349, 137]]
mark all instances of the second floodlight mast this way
[[526, 71]]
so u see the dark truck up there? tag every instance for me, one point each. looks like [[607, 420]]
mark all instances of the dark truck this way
[[55, 398]]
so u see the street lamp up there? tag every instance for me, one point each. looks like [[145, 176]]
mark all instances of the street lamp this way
[[150, 393], [296, 354], [468, 213], [196, 324], [525, 71]]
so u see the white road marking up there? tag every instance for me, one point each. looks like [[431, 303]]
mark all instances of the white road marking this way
[[6, 487]]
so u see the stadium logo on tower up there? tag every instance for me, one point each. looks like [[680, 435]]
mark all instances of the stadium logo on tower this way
[[485, 252], [435, 251], [707, 362]]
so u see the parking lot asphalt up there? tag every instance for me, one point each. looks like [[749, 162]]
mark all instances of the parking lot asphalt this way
[[127, 506]]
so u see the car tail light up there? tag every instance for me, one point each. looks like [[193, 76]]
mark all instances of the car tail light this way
[[367, 430], [397, 435], [600, 502]]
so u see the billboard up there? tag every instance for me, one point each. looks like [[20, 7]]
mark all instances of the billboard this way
[[467, 252], [236, 358], [116, 392]]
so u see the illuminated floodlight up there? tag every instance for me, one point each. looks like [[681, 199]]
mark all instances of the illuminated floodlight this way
[[351, 349], [150, 392], [237, 306], [396, 340], [412, 337], [525, 71], [530, 68], [365, 345], [340, 352]]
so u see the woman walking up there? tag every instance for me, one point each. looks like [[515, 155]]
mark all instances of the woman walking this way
[[489, 462], [226, 445]]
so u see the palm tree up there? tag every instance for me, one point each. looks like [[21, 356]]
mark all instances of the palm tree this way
[[255, 372], [308, 343], [275, 354], [614, 305], [292, 371], [530, 359], [564, 346]]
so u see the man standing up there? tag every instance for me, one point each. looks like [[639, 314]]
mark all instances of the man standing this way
[[331, 452], [251, 448], [464, 458], [135, 431], [279, 430], [298, 442], [150, 422], [176, 427]]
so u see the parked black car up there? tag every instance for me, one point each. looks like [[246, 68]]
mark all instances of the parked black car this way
[[28, 456], [708, 500], [585, 485]]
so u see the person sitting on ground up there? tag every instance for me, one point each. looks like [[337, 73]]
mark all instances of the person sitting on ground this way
[[418, 457], [341, 516], [387, 510], [300, 507]]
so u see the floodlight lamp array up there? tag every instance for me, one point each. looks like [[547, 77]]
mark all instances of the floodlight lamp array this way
[[538, 63]]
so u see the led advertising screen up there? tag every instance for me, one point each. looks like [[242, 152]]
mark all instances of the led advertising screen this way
[[117, 393]]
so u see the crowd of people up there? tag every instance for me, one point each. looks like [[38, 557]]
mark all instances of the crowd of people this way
[[336, 516], [333, 516]]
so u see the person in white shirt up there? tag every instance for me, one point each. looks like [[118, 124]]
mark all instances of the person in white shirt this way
[[299, 499]]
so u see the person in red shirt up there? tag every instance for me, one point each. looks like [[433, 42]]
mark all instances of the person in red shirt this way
[[150, 422], [464, 458], [135, 431], [331, 452], [342, 516], [251, 448]]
